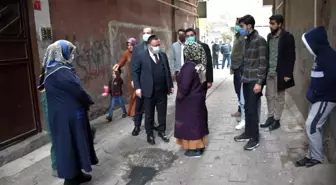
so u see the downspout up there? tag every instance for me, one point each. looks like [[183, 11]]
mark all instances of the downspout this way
[[315, 13], [173, 26]]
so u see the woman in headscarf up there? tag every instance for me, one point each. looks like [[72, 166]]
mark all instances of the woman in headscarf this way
[[190, 115], [126, 58], [68, 104]]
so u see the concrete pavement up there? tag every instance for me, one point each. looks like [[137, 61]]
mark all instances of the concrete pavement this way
[[128, 160]]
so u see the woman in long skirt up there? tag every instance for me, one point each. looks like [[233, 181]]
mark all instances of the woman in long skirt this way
[[190, 121]]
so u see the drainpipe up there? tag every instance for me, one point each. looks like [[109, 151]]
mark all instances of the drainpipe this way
[[315, 13], [173, 26]]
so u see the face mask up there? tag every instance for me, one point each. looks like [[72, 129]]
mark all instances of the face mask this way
[[145, 37], [191, 39], [156, 50], [243, 32], [237, 28]]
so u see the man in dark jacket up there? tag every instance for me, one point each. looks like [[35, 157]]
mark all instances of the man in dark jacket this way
[[215, 51], [254, 71], [321, 92], [281, 59], [152, 83], [191, 35], [139, 104]]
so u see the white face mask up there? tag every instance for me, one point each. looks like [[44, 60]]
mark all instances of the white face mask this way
[[156, 50], [145, 37]]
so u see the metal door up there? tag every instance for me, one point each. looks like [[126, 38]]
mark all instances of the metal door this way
[[18, 105]]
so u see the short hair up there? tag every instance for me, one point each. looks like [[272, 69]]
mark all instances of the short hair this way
[[191, 29], [151, 38], [181, 30], [277, 18], [247, 19]]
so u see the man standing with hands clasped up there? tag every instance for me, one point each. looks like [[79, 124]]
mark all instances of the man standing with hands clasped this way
[[281, 47], [253, 78], [153, 82]]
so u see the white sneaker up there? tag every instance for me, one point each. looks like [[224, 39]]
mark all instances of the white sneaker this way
[[240, 125]]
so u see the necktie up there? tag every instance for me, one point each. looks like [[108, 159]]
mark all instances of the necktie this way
[[157, 61]]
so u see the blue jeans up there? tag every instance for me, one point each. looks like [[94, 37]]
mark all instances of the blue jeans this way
[[228, 58], [119, 100]]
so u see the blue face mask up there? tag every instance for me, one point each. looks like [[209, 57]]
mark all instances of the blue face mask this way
[[237, 28], [243, 32], [191, 39]]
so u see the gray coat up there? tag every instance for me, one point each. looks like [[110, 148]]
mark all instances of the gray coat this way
[[176, 56]]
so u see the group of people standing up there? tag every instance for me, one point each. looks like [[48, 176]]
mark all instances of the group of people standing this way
[[225, 50], [255, 63]]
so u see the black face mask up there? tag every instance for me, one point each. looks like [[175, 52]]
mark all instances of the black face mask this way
[[182, 38]]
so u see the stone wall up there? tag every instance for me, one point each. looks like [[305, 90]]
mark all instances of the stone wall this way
[[100, 29], [299, 16]]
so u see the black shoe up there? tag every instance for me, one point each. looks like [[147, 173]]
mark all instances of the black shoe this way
[[83, 178], [136, 131], [124, 115], [302, 162], [275, 125], [193, 153], [109, 118], [252, 144], [312, 163], [150, 139], [241, 138], [71, 182], [268, 122], [163, 137]]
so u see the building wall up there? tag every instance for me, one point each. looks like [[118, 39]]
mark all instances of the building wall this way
[[100, 28], [299, 19]]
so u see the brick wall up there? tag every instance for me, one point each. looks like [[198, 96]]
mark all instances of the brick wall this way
[[298, 20], [100, 29]]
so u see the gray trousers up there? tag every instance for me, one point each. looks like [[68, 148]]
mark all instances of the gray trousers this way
[[317, 116]]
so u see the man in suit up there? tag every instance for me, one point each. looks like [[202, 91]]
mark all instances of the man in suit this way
[[147, 32], [153, 82], [191, 36], [177, 52]]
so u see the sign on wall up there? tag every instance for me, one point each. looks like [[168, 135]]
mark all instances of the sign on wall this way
[[37, 5]]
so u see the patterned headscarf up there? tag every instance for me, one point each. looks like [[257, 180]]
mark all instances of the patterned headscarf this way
[[59, 52], [194, 52]]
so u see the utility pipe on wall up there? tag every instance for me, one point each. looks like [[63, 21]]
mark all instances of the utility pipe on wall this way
[[184, 10], [315, 13]]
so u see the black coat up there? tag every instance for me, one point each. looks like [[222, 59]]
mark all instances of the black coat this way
[[141, 73], [286, 59], [209, 68]]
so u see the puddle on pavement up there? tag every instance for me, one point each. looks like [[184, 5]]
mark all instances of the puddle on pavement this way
[[141, 175], [145, 164]]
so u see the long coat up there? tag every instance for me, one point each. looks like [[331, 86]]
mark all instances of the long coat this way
[[286, 59], [191, 113], [68, 104]]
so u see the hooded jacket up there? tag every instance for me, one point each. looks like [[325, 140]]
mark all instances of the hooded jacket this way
[[323, 75]]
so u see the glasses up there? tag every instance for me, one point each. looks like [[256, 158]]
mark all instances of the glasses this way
[[272, 23]]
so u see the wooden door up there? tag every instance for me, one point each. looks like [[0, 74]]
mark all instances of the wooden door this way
[[18, 105]]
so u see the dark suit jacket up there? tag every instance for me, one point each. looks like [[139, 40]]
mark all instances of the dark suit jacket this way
[[286, 59], [142, 72], [136, 51], [209, 68]]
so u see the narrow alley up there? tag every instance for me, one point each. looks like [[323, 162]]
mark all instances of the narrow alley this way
[[128, 160]]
